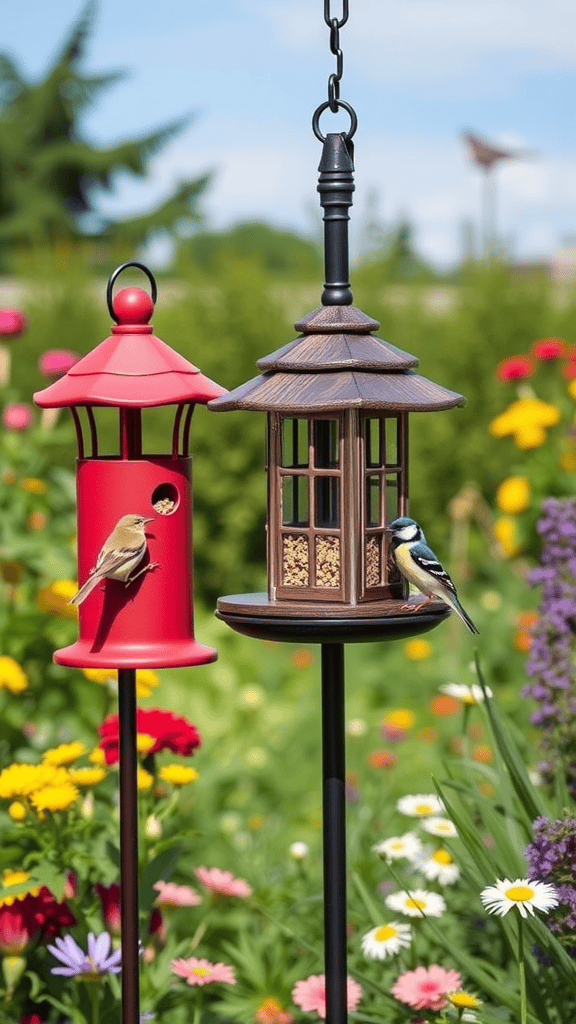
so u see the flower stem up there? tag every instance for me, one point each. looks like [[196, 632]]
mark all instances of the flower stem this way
[[197, 1012], [521, 970], [94, 993]]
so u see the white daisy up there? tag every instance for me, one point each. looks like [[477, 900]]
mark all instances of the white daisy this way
[[386, 940], [299, 850], [523, 893], [417, 903], [438, 865], [440, 827], [397, 847], [467, 694], [420, 805]]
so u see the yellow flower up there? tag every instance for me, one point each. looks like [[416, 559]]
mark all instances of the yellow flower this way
[[146, 680], [513, 495], [25, 779], [144, 779], [10, 878], [55, 798], [572, 389], [55, 599], [101, 675], [97, 756], [144, 742], [526, 420], [401, 718], [17, 811], [530, 436], [178, 774], [463, 1000], [86, 776], [66, 753], [417, 650], [11, 675], [33, 485], [505, 532], [568, 460]]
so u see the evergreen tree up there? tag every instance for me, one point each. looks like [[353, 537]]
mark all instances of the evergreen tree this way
[[50, 173]]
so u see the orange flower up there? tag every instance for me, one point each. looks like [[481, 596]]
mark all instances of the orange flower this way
[[443, 705], [382, 759], [482, 752], [302, 658], [37, 521], [525, 622], [270, 1011], [486, 789]]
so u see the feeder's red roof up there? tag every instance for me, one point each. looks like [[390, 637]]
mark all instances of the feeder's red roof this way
[[130, 368]]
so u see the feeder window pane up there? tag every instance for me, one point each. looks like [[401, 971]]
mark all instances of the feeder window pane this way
[[295, 561], [326, 444], [327, 501], [373, 512], [374, 560], [392, 426], [392, 511], [295, 443], [295, 511], [327, 561], [374, 445]]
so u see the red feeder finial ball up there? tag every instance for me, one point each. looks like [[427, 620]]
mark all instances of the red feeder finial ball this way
[[132, 306]]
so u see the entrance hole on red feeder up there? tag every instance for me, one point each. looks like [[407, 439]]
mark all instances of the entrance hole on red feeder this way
[[165, 499]]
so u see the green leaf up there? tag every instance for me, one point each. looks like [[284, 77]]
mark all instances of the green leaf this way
[[160, 867], [372, 908], [526, 792], [46, 873]]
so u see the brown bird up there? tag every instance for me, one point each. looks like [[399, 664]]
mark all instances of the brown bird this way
[[485, 154], [120, 554]]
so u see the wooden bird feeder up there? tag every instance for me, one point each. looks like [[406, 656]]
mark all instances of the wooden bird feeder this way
[[337, 401]]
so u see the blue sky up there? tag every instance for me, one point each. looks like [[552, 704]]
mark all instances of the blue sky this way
[[416, 71]]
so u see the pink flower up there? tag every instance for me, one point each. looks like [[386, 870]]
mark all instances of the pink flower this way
[[202, 972], [222, 883], [310, 994], [426, 987], [56, 362], [13, 323], [17, 416], [172, 895]]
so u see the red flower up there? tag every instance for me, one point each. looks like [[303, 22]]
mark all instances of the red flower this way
[[171, 732], [382, 759], [110, 901], [50, 915], [17, 927], [31, 1018], [548, 349], [569, 368], [514, 368]]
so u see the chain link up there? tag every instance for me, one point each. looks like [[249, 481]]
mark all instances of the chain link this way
[[334, 101]]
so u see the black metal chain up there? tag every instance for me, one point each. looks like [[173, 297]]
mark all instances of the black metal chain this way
[[334, 102]]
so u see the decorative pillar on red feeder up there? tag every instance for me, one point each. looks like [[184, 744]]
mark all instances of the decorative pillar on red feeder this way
[[147, 623]]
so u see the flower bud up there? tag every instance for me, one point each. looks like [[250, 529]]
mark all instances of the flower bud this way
[[153, 828], [299, 850], [13, 968]]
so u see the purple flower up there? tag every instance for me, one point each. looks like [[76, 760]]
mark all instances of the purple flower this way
[[551, 857], [551, 663], [75, 960]]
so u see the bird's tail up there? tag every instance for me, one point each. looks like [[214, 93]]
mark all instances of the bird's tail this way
[[88, 587], [455, 604]]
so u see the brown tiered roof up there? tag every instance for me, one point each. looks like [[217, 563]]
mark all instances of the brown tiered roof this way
[[337, 363]]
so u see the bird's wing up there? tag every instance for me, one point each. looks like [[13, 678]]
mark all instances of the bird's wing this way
[[110, 561], [427, 561]]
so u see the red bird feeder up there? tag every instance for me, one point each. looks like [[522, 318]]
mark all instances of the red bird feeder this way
[[146, 623]]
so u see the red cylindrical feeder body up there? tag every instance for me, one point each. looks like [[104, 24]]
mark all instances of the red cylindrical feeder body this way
[[147, 623]]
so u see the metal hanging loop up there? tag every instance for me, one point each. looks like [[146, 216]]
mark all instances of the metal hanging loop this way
[[117, 272], [324, 106]]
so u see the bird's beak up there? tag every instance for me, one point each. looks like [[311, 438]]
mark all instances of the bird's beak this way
[[150, 519]]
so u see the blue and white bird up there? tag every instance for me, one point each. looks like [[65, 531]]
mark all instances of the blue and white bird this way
[[419, 565]]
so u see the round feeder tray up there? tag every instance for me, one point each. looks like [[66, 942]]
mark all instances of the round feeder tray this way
[[256, 616]]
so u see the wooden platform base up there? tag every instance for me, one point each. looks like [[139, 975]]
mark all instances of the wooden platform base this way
[[298, 622]]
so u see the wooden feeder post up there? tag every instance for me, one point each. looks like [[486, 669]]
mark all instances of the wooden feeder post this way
[[148, 622], [337, 401]]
